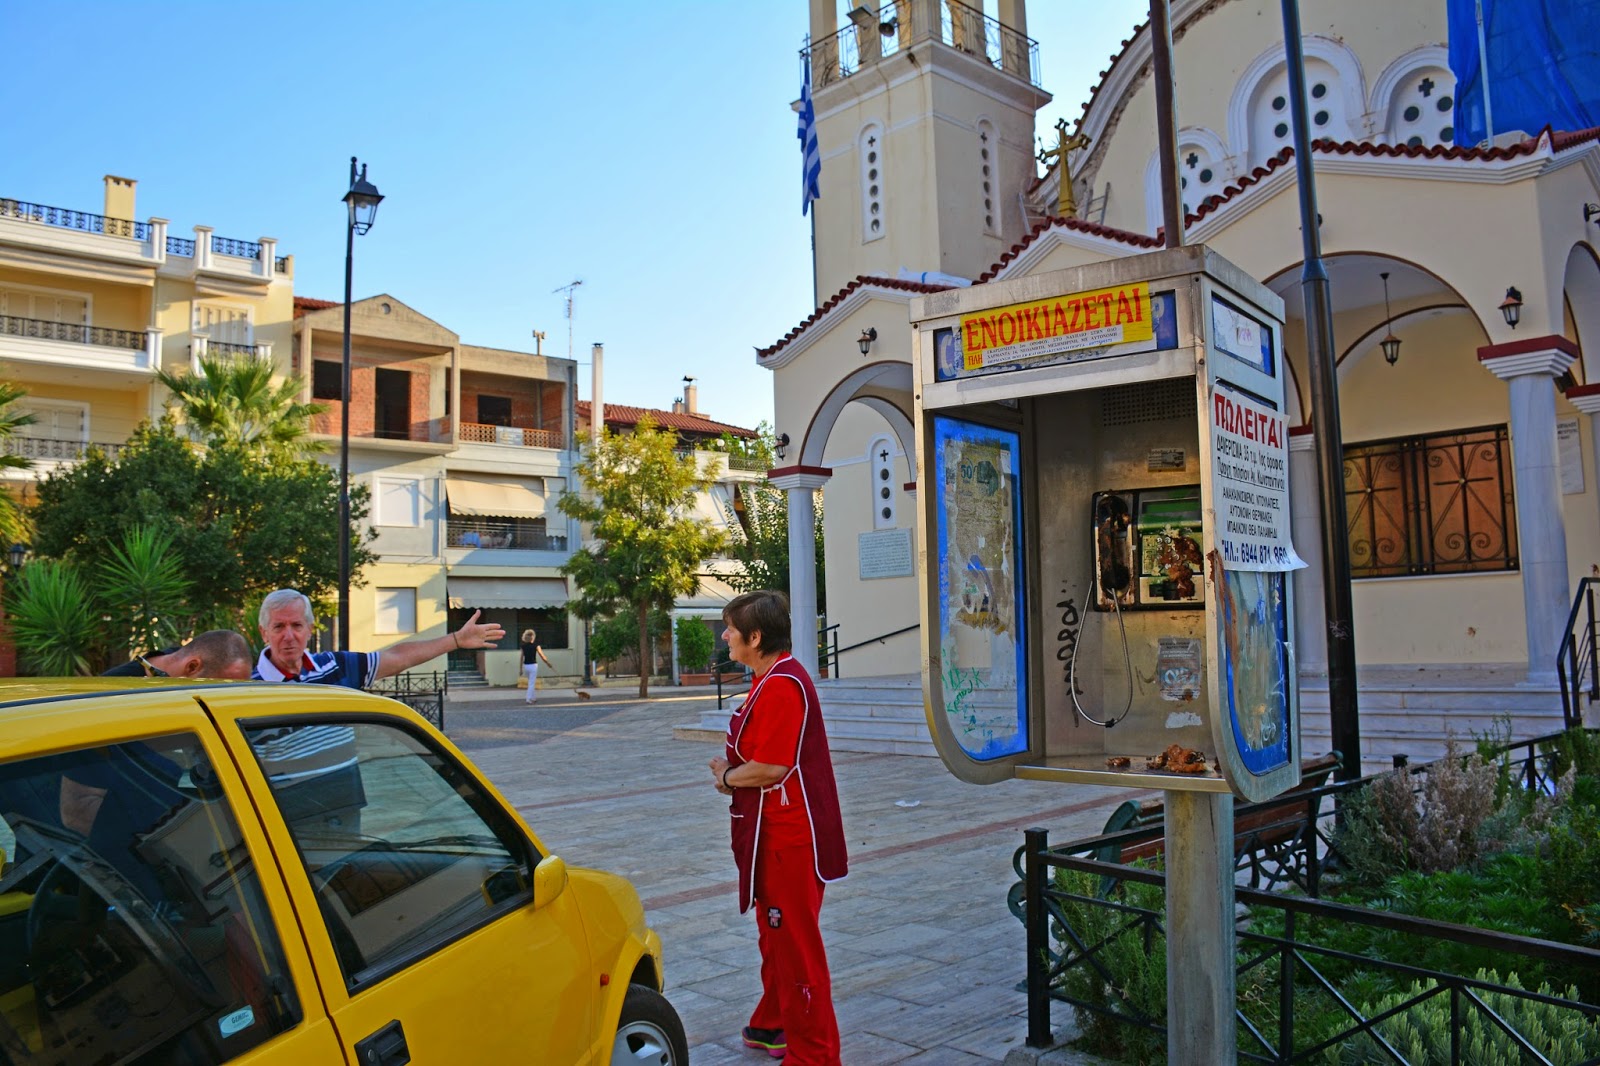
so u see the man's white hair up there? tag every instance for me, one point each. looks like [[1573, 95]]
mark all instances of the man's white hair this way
[[285, 598]]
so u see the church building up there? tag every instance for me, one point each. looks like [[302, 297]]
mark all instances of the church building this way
[[1466, 303]]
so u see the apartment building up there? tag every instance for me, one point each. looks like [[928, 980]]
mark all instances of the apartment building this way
[[465, 450], [93, 304]]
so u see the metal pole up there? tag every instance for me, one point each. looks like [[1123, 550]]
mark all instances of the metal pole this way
[[1037, 937], [344, 430], [1166, 123], [1200, 935], [1483, 79], [1343, 712]]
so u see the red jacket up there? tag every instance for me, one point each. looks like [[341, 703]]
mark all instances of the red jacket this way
[[815, 769]]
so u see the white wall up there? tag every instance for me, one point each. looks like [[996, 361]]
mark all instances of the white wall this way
[[866, 609]]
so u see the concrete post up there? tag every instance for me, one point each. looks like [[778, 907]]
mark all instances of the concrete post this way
[[1530, 368], [1305, 523], [801, 483], [1200, 929]]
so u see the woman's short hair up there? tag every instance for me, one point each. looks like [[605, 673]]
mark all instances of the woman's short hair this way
[[765, 612], [285, 598], [529, 637]]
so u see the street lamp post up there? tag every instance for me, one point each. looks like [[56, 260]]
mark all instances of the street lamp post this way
[[362, 201]]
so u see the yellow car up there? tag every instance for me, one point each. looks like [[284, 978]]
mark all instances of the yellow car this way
[[293, 874]]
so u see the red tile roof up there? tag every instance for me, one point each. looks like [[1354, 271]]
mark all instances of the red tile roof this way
[[1095, 229], [302, 304], [1559, 142], [618, 415], [838, 297]]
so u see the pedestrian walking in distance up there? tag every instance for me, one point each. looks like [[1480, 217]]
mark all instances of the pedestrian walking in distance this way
[[531, 654]]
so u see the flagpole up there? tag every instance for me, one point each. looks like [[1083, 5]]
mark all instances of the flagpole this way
[[1483, 77]]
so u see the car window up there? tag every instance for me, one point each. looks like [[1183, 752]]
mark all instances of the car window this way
[[403, 848], [132, 925]]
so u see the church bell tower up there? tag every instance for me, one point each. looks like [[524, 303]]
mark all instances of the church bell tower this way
[[925, 114]]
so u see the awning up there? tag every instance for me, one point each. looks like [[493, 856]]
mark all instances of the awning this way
[[481, 592], [494, 498]]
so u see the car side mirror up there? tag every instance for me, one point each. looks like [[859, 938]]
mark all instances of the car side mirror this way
[[549, 879]]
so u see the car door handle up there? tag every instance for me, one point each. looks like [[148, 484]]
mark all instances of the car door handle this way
[[386, 1047]]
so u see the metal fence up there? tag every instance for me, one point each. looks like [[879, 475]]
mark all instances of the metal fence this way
[[422, 692], [1279, 967]]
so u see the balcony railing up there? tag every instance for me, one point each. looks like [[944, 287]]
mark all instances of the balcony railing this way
[[280, 264], [518, 535], [39, 329], [56, 450], [236, 248], [66, 218], [903, 23], [517, 436], [746, 462]]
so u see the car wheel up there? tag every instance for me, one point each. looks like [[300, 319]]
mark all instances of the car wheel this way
[[650, 1031]]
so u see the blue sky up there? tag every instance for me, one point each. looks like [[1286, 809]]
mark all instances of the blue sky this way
[[646, 148]]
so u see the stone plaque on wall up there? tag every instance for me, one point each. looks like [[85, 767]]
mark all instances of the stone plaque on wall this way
[[885, 553]]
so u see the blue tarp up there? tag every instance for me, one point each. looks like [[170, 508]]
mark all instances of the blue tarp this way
[[1544, 65]]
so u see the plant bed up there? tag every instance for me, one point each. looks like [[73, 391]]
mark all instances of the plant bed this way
[[728, 678]]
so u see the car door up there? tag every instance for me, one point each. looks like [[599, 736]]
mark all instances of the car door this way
[[141, 907], [416, 887]]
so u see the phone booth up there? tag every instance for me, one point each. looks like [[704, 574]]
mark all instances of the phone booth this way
[[1104, 527]]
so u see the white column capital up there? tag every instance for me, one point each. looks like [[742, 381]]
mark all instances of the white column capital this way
[[799, 477], [1585, 398], [1302, 439], [1548, 356]]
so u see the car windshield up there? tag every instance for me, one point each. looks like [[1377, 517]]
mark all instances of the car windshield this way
[[130, 914]]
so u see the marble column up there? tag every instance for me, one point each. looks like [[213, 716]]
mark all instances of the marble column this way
[[1530, 368], [1305, 526], [801, 484], [1586, 398]]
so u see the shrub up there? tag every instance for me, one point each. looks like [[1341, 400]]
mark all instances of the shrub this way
[[695, 643], [1391, 826], [1422, 1033], [1119, 966]]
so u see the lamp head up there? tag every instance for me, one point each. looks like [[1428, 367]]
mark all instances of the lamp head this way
[[864, 342], [781, 445], [1511, 306], [362, 199], [18, 555]]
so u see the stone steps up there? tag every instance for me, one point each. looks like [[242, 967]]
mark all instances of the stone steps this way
[[1414, 711], [1404, 710], [867, 714]]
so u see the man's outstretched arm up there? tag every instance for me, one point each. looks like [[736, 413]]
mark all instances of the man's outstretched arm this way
[[408, 653]]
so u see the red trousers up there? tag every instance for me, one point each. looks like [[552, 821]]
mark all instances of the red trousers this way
[[796, 991]]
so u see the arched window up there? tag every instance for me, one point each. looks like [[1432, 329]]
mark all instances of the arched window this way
[[1415, 99], [1204, 169], [988, 167], [1259, 123], [869, 149], [885, 494]]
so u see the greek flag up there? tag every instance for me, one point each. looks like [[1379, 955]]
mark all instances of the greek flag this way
[[810, 154]]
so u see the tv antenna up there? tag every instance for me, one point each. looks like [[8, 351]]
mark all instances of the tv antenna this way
[[571, 291]]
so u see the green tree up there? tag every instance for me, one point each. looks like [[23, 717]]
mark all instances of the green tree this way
[[79, 618], [616, 636], [53, 619], [233, 400], [647, 546], [243, 521], [13, 520]]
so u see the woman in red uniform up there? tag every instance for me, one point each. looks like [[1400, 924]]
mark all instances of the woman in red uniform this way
[[788, 838]]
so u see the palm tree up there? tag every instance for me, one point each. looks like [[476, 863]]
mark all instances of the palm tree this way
[[13, 521], [233, 400]]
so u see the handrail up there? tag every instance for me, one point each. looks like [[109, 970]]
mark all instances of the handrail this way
[[1577, 655], [879, 640]]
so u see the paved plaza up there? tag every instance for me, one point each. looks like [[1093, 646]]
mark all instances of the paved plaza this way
[[926, 959]]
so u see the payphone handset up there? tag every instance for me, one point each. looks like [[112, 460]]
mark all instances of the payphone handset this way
[[1146, 549]]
